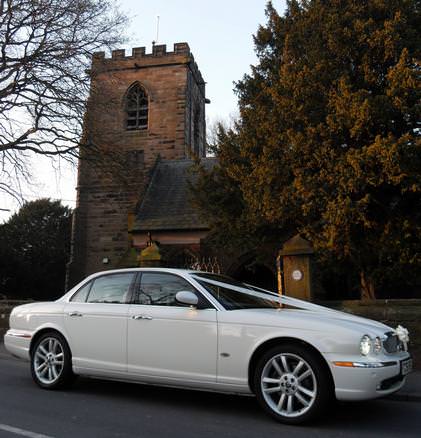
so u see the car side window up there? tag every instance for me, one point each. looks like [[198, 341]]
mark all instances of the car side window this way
[[81, 295], [160, 289], [111, 288]]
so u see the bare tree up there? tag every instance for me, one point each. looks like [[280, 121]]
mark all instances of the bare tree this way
[[45, 51], [214, 126]]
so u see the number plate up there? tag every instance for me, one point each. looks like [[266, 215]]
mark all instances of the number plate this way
[[406, 366]]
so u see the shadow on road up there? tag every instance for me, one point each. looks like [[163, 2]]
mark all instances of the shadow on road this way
[[380, 416]]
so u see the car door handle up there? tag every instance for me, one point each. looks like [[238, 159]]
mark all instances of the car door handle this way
[[75, 314], [141, 317]]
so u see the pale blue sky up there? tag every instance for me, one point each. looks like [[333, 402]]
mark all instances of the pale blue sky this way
[[220, 36]]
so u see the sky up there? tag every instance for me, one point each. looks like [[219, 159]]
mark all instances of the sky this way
[[219, 34]]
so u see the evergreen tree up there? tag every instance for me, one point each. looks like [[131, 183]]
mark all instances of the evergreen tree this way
[[34, 250], [328, 141]]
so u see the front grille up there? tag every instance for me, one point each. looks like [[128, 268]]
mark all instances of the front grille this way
[[392, 344]]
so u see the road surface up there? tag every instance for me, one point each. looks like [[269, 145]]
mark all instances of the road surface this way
[[94, 408]]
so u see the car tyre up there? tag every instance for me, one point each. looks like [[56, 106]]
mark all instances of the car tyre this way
[[51, 362], [292, 384]]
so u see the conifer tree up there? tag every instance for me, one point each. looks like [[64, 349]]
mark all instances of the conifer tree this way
[[34, 250], [328, 140]]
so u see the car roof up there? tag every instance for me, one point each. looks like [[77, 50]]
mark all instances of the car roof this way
[[116, 271]]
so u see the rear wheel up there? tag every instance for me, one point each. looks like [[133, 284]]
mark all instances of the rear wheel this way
[[292, 384], [51, 362]]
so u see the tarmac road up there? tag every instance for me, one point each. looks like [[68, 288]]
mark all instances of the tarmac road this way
[[95, 408]]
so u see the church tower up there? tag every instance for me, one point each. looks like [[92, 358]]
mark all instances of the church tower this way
[[142, 108]]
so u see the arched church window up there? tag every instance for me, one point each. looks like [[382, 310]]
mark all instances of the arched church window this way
[[137, 108]]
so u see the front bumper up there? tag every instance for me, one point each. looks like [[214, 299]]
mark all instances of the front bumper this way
[[371, 380]]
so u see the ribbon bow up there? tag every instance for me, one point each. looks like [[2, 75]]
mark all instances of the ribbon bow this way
[[402, 333]]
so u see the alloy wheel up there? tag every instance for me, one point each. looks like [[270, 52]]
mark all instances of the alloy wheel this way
[[289, 385], [48, 360]]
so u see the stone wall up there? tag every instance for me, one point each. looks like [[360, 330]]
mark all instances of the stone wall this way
[[195, 126], [392, 313]]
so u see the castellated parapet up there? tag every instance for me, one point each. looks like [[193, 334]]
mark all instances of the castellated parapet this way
[[140, 52], [140, 59]]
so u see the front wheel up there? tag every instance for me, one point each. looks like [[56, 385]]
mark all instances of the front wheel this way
[[292, 384], [51, 363]]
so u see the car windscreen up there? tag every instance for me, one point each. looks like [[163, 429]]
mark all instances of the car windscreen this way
[[234, 295]]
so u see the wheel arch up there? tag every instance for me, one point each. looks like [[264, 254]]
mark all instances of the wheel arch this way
[[41, 331], [283, 340]]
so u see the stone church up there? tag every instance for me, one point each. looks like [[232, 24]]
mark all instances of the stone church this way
[[144, 124]]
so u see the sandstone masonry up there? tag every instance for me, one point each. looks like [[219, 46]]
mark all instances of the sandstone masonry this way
[[115, 161]]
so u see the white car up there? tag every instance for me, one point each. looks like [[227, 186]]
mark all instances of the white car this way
[[205, 331]]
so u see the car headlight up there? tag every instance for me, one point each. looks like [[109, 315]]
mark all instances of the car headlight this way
[[365, 345], [377, 346]]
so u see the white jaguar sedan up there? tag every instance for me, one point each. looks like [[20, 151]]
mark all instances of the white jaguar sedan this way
[[198, 330]]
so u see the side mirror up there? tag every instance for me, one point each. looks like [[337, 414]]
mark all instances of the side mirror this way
[[185, 297]]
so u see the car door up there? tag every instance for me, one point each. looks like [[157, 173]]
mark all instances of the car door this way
[[165, 338], [96, 323]]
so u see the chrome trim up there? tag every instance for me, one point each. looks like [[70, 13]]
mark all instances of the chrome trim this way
[[18, 335], [371, 364], [374, 364], [149, 318]]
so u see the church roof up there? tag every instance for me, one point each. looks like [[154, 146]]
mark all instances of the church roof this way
[[167, 201]]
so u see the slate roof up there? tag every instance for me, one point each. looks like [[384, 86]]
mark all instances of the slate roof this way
[[167, 201]]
